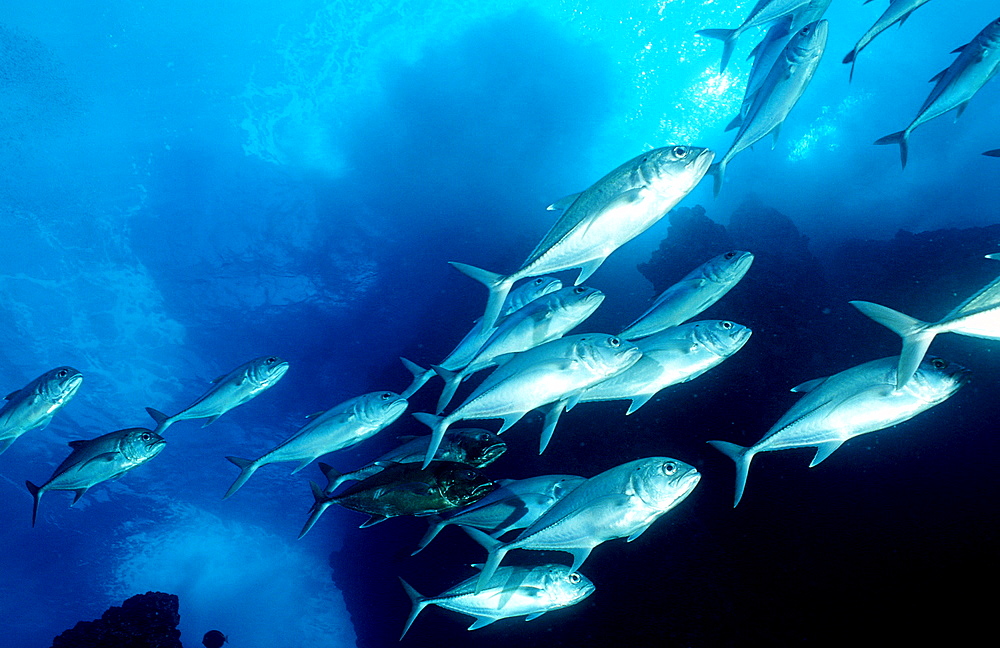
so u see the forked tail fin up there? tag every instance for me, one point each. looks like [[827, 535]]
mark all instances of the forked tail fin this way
[[741, 456], [728, 38], [496, 550], [247, 468], [438, 427], [498, 285], [902, 138], [36, 494], [916, 337], [418, 602]]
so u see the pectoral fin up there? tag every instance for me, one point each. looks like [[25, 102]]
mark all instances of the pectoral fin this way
[[481, 622], [11, 395], [79, 493], [808, 386], [563, 203], [637, 402], [588, 269], [210, 420], [373, 520], [104, 457]]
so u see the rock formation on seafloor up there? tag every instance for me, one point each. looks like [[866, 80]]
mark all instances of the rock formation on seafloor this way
[[143, 621]]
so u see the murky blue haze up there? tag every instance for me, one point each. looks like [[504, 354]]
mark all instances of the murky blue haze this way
[[188, 185]]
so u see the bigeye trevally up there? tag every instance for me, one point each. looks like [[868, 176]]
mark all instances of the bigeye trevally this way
[[978, 316], [853, 402], [228, 391], [897, 11], [614, 210], [34, 405]]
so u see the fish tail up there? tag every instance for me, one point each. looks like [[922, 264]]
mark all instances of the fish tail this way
[[741, 456], [851, 58], [728, 38], [452, 379], [902, 138], [36, 494], [717, 171], [162, 420], [319, 505], [420, 376], [419, 603], [916, 337], [438, 425], [247, 468], [496, 550], [334, 477], [498, 285], [433, 530]]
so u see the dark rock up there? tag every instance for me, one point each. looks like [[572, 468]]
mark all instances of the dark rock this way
[[144, 621]]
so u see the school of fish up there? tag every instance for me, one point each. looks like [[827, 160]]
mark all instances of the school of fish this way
[[524, 338]]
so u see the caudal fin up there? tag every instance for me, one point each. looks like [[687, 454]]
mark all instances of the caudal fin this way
[[438, 427], [162, 420], [728, 38], [902, 138], [452, 379], [851, 57], [497, 550], [741, 456], [247, 468], [320, 503], [36, 494], [916, 337], [420, 377], [418, 602], [498, 285], [717, 171], [436, 524]]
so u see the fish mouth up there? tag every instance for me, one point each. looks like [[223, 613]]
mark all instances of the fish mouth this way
[[701, 163], [484, 489], [70, 387], [492, 453], [156, 447]]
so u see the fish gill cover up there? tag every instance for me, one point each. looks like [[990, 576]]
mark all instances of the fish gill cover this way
[[187, 186]]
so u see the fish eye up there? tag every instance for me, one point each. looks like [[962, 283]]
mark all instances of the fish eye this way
[[467, 475], [271, 360], [669, 468], [727, 325], [146, 436], [538, 282], [680, 152], [386, 395], [730, 255], [574, 577], [938, 363], [62, 373], [482, 436], [579, 290], [613, 341]]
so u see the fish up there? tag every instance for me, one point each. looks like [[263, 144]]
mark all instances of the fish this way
[[954, 87], [764, 12], [460, 356], [993, 153], [516, 504], [597, 221], [978, 316], [698, 290], [33, 406], [778, 94], [897, 11], [670, 357], [93, 461], [407, 489], [856, 401], [228, 391], [339, 427], [473, 446], [545, 319], [511, 592], [553, 374], [621, 502]]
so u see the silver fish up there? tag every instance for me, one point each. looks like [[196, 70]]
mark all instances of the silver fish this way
[[897, 11], [778, 94], [763, 12], [554, 374], [978, 316], [545, 319], [698, 290], [848, 404], [955, 86], [339, 427], [618, 503], [34, 405], [511, 592], [95, 460], [460, 356], [614, 210], [671, 357], [227, 392], [515, 505]]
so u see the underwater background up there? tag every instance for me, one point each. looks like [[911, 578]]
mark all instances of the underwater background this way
[[185, 186]]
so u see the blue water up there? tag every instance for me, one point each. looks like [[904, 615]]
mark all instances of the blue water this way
[[188, 185]]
